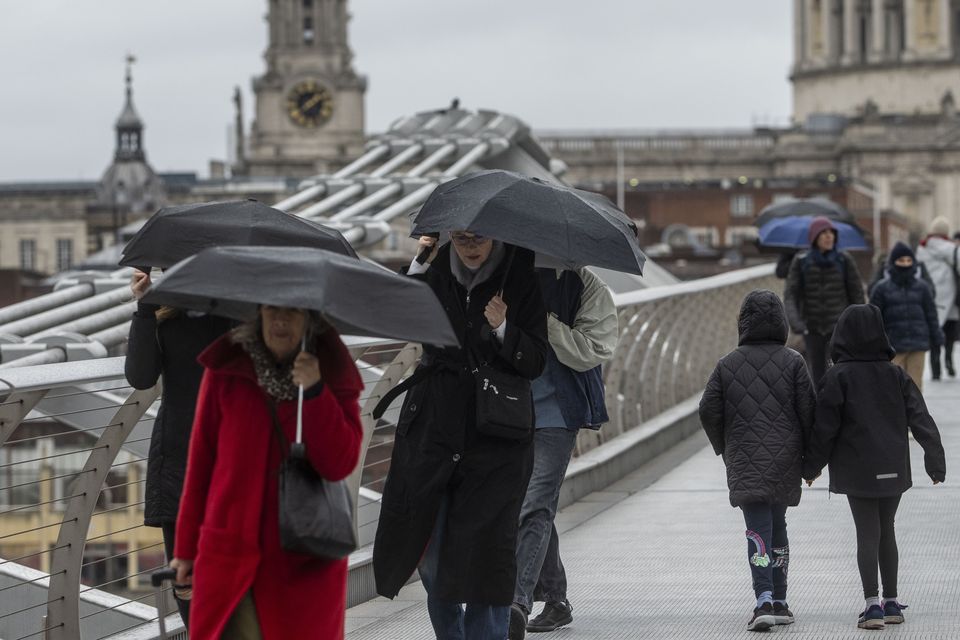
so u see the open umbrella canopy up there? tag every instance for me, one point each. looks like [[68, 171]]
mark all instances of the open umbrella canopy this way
[[574, 228], [175, 233], [356, 297], [793, 232], [805, 207]]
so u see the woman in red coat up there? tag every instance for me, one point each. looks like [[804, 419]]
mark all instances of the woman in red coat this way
[[227, 538]]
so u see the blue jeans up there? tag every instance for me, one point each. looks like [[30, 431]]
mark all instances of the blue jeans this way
[[449, 619], [540, 572], [768, 550]]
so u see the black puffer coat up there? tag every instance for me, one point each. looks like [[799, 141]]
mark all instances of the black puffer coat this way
[[171, 348], [438, 451], [909, 311], [817, 291], [758, 407], [865, 407]]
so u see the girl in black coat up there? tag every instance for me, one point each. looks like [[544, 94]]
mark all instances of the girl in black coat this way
[[757, 410], [453, 494], [165, 341], [865, 407]]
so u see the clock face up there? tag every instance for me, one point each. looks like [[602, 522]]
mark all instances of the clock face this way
[[309, 104]]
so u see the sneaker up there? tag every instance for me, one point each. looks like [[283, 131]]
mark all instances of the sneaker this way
[[893, 612], [762, 619], [782, 613], [518, 622], [950, 371], [553, 616], [871, 618]]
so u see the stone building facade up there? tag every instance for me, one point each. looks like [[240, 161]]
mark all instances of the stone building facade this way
[[875, 84]]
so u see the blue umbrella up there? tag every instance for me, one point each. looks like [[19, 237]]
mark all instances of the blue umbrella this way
[[793, 232]]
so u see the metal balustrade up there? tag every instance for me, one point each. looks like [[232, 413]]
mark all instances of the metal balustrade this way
[[74, 555]]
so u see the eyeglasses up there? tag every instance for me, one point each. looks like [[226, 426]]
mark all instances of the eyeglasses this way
[[464, 240]]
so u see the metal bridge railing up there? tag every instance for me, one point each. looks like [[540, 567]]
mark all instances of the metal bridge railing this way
[[74, 555]]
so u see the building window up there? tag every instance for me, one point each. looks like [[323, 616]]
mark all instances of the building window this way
[[864, 13], [28, 255], [739, 236], [64, 254], [705, 236], [307, 30], [741, 205]]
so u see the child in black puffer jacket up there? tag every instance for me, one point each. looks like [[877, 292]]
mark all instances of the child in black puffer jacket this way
[[865, 407], [757, 411]]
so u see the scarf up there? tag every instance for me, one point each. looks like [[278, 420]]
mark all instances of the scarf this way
[[470, 278], [824, 260], [275, 379]]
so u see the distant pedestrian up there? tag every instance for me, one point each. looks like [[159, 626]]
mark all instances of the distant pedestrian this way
[[453, 494], [940, 254], [582, 328], [908, 312], [822, 282], [865, 408], [757, 411], [165, 341]]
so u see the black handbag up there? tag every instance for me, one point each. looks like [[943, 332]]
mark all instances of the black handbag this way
[[316, 515], [504, 404]]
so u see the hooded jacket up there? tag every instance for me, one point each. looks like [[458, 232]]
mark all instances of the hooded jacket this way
[[909, 314], [758, 407], [865, 407]]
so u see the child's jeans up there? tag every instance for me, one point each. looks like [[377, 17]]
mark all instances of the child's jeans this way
[[767, 548]]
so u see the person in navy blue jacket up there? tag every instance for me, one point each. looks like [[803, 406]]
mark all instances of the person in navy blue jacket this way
[[909, 313]]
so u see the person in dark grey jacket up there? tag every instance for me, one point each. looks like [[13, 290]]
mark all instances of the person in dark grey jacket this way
[[757, 410], [821, 283], [166, 341], [865, 408]]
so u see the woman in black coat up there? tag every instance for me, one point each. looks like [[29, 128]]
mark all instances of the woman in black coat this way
[[866, 407], [757, 410], [450, 485], [166, 341]]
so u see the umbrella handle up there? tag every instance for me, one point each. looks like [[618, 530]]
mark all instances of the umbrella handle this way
[[303, 347]]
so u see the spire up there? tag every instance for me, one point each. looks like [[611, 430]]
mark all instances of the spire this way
[[129, 127]]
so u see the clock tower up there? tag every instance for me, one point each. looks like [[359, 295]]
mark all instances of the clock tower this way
[[309, 103]]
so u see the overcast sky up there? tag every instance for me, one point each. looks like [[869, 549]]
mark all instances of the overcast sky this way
[[557, 64]]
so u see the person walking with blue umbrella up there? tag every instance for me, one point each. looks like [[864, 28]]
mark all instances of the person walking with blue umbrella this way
[[821, 283]]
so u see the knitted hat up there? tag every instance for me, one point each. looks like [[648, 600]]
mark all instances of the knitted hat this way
[[817, 226], [940, 227], [900, 250]]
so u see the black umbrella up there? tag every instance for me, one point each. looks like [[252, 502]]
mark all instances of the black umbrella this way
[[175, 233], [808, 207], [354, 296], [572, 227]]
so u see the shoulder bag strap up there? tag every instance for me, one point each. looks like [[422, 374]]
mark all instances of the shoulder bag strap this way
[[277, 431]]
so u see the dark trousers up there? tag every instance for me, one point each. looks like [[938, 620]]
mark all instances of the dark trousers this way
[[451, 620], [816, 345], [168, 529], [768, 550], [876, 543], [950, 337], [540, 573]]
